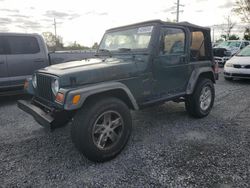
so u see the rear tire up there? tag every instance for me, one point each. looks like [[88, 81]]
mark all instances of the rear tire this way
[[200, 103], [101, 129]]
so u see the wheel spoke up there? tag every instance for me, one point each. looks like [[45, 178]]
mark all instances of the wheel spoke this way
[[107, 118], [99, 128], [113, 136], [116, 123], [102, 141]]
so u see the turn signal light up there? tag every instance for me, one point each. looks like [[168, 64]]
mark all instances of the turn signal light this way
[[59, 97], [76, 99]]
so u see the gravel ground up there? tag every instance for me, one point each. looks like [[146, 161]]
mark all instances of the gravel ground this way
[[167, 148]]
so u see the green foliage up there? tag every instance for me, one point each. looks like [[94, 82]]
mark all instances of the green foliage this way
[[234, 37], [75, 46], [95, 45], [247, 34], [53, 42]]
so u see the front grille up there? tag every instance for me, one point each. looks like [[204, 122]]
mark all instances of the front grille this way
[[44, 87], [241, 75], [242, 66], [219, 52]]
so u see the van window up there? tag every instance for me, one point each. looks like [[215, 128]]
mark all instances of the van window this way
[[23, 45]]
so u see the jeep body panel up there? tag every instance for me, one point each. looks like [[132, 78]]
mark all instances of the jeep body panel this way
[[196, 73], [145, 76], [97, 89]]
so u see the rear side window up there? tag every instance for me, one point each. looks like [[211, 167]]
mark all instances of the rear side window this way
[[23, 45], [197, 46]]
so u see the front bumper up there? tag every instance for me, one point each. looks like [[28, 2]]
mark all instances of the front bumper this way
[[42, 117], [241, 73], [237, 75], [221, 60]]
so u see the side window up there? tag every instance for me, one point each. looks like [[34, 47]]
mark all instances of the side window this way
[[246, 43], [2, 51], [197, 49], [173, 41], [242, 45], [23, 45]]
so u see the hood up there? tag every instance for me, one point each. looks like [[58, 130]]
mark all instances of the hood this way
[[240, 60], [92, 70], [221, 52]]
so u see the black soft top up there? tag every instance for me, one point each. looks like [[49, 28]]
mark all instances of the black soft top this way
[[190, 26]]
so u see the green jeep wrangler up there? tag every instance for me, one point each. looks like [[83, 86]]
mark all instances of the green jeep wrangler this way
[[136, 66]]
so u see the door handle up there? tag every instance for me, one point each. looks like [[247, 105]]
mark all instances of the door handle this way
[[1, 62]]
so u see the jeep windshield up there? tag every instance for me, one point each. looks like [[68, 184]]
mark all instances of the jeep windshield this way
[[126, 40], [229, 44]]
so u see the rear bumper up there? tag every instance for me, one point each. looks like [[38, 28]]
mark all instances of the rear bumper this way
[[42, 117]]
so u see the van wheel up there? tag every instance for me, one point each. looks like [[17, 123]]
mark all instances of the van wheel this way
[[200, 103], [101, 129]]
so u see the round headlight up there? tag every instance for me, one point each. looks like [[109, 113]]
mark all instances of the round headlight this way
[[55, 86], [34, 81]]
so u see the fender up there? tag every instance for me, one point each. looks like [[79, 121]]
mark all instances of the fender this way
[[195, 76], [96, 89]]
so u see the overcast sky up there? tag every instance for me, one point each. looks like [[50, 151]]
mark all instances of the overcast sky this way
[[85, 21]]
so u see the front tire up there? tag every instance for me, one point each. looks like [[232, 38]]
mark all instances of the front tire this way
[[101, 129], [200, 103]]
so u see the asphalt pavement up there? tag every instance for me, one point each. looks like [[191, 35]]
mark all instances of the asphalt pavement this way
[[167, 148]]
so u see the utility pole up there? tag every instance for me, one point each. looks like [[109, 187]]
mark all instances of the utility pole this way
[[178, 5], [55, 31]]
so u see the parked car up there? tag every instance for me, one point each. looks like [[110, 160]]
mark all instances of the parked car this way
[[22, 54], [238, 66], [136, 66], [227, 49]]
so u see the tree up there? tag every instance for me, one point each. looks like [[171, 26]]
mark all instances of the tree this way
[[75, 46], [234, 37], [247, 34], [229, 26], [95, 45], [242, 8], [53, 42]]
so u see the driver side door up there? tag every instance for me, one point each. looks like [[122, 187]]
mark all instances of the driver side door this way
[[171, 69]]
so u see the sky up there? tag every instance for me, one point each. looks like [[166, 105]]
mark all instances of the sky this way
[[85, 21]]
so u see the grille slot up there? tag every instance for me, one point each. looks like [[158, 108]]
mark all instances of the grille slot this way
[[237, 66], [44, 87], [242, 66]]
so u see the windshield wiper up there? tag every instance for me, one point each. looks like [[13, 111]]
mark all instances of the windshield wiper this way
[[124, 49]]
